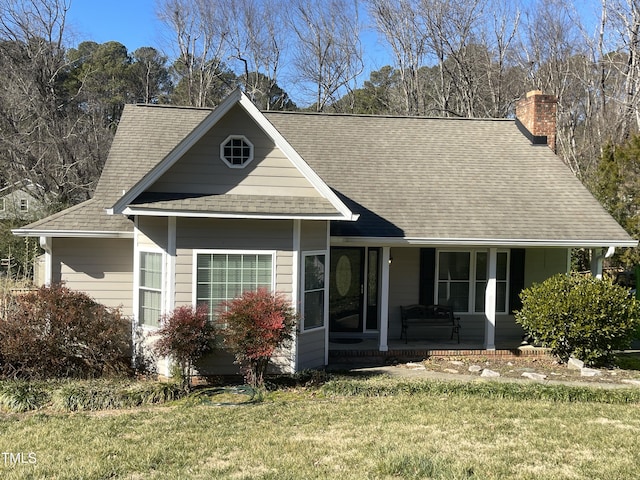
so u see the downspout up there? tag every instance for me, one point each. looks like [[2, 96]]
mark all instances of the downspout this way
[[597, 260]]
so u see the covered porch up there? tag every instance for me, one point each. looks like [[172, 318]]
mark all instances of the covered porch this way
[[368, 285]]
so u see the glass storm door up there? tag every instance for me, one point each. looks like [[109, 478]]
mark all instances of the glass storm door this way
[[346, 289]]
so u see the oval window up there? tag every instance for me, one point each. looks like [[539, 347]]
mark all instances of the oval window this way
[[343, 275]]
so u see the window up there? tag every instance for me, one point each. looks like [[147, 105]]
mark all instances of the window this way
[[236, 151], [462, 280], [24, 205], [2, 207], [222, 276], [314, 283], [453, 280], [150, 290]]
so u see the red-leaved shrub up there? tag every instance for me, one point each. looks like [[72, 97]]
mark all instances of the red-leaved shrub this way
[[256, 324], [55, 332], [186, 335]]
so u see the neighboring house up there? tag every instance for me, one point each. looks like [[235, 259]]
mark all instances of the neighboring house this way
[[20, 201], [351, 216]]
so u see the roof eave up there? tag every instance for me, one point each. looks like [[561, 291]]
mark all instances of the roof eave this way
[[20, 232], [483, 242], [246, 215]]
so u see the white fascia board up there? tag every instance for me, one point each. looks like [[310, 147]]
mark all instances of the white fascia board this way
[[71, 233], [483, 242], [183, 147], [192, 214], [295, 158]]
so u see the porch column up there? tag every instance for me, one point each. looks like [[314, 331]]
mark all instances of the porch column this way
[[490, 301], [384, 300], [170, 300], [45, 244]]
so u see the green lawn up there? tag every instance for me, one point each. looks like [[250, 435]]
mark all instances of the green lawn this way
[[306, 434]]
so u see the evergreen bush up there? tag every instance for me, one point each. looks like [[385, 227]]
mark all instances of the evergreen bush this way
[[579, 316]]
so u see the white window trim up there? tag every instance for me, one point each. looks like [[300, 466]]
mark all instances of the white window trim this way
[[236, 137], [194, 266], [24, 202], [472, 277], [163, 289], [311, 253]]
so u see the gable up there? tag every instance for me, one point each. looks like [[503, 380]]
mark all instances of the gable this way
[[202, 171]]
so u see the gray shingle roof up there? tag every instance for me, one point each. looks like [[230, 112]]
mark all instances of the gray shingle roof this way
[[86, 217], [415, 178], [460, 179], [230, 204]]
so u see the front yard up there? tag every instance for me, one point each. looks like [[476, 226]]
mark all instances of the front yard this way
[[402, 430]]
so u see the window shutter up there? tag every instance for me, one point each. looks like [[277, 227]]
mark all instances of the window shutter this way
[[516, 271], [427, 275]]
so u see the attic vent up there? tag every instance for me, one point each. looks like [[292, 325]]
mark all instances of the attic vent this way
[[236, 151]]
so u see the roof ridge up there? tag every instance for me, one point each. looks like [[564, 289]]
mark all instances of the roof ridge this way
[[173, 107], [389, 116]]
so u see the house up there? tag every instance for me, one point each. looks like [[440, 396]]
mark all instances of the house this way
[[351, 216], [21, 200]]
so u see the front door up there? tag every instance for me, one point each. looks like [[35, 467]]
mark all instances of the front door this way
[[353, 278], [346, 289]]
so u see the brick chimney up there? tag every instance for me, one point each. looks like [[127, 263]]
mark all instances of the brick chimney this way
[[537, 113]]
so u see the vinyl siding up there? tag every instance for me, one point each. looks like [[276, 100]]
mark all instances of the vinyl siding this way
[[152, 232], [226, 234], [202, 171], [311, 349], [102, 268], [313, 236], [404, 284], [542, 263]]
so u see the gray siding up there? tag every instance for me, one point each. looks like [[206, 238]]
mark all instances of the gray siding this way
[[102, 268], [313, 235], [202, 170], [227, 234], [311, 349], [152, 232], [542, 263], [404, 284], [223, 234]]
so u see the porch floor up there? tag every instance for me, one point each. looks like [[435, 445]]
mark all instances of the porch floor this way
[[367, 350]]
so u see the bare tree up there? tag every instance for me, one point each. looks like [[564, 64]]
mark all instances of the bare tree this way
[[328, 52], [199, 39], [255, 39], [46, 138], [402, 24]]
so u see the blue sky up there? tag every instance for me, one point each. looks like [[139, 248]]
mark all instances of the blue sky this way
[[130, 22]]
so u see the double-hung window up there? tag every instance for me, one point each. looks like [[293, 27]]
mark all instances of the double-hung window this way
[[150, 289], [221, 276], [314, 291], [462, 280]]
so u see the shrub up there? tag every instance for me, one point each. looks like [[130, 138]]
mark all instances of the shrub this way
[[54, 332], [256, 325], [186, 335], [579, 316]]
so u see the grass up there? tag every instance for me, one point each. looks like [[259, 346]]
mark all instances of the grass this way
[[410, 432]]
